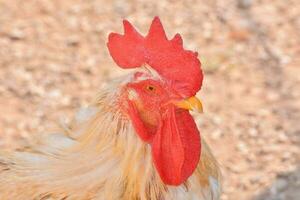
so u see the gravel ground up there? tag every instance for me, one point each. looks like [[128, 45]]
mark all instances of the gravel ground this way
[[53, 58]]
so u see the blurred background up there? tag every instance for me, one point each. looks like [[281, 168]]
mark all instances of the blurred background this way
[[53, 59]]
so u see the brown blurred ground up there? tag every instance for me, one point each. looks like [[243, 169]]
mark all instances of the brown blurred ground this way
[[53, 58]]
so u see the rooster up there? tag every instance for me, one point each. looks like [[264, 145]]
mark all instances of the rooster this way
[[136, 141]]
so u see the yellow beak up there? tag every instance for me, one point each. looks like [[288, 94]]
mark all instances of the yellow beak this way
[[192, 103]]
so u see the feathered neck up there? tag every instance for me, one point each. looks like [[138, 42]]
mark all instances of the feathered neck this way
[[99, 156]]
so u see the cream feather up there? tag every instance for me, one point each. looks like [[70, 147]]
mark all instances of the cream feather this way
[[98, 157]]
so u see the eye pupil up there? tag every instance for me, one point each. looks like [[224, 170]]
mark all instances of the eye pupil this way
[[151, 88]]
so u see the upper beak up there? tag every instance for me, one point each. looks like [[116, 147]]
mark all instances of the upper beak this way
[[192, 103]]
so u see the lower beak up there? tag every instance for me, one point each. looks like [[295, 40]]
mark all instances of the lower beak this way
[[192, 103]]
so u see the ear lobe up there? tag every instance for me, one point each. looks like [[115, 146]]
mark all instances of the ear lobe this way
[[176, 147], [138, 124]]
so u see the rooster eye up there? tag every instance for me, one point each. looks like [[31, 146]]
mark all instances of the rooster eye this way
[[150, 88]]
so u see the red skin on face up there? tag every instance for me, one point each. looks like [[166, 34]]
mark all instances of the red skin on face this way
[[172, 132]]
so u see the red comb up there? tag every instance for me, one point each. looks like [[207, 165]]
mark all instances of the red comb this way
[[181, 68]]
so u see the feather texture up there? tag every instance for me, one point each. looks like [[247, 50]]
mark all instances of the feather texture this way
[[98, 157]]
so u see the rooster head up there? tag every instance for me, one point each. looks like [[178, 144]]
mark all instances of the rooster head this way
[[159, 98]]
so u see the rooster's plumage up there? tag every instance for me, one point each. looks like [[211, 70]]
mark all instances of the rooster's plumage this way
[[136, 141]]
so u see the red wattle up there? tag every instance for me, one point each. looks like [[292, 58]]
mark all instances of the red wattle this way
[[176, 147]]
